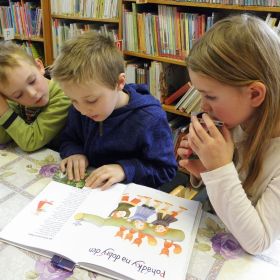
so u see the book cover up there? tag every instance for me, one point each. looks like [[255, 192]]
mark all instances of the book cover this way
[[126, 232], [178, 93]]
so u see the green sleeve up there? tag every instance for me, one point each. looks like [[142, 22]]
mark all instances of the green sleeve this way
[[31, 137], [4, 136]]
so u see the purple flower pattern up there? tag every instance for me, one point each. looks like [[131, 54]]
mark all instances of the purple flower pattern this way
[[48, 170], [47, 271], [226, 245]]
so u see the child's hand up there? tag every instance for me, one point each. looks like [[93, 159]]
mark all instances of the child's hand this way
[[75, 166], [194, 167], [4, 107], [105, 176], [214, 149]]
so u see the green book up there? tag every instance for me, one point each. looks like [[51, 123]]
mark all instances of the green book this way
[[61, 177]]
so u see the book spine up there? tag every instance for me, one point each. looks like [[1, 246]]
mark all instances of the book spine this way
[[174, 96]]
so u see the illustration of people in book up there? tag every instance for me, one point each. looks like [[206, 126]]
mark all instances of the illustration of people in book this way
[[139, 218]]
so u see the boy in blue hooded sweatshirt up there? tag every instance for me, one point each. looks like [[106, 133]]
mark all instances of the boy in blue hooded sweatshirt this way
[[120, 130]]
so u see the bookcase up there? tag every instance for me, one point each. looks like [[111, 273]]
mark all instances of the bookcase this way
[[70, 18], [164, 31], [30, 22]]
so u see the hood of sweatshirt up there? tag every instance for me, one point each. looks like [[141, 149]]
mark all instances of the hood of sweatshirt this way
[[139, 97]]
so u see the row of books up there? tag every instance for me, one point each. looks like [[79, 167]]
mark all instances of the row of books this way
[[86, 8], [24, 18], [266, 3], [63, 30], [162, 79], [189, 99], [34, 49], [143, 73], [168, 32], [273, 22]]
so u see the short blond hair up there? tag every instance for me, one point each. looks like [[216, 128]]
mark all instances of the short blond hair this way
[[89, 57], [10, 56]]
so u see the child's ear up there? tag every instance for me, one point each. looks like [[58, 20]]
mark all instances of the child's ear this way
[[40, 65], [257, 93], [121, 81]]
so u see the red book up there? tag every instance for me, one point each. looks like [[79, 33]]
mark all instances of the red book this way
[[178, 93]]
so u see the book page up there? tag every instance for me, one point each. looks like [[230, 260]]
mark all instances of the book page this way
[[148, 235], [129, 231], [47, 223]]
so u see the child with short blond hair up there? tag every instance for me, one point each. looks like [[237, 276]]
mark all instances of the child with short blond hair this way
[[33, 109], [119, 129]]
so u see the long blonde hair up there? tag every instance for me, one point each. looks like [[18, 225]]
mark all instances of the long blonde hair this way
[[237, 51]]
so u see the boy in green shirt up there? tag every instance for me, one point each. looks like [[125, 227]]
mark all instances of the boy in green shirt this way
[[33, 109]]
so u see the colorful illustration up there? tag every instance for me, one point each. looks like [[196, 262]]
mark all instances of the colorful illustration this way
[[141, 218], [41, 206], [61, 177]]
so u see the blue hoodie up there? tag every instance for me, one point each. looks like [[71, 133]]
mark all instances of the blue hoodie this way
[[136, 136]]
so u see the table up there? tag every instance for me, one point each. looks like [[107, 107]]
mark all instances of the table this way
[[216, 254]]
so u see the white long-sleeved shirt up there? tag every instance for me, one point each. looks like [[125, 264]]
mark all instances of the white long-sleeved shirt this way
[[254, 220]]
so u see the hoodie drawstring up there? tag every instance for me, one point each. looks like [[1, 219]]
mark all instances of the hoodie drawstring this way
[[100, 128]]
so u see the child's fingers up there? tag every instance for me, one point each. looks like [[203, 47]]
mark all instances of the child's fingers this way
[[77, 170], [69, 169], [62, 165], [108, 184], [226, 134], [82, 168], [184, 143], [184, 153], [197, 132], [184, 163], [94, 180], [212, 129]]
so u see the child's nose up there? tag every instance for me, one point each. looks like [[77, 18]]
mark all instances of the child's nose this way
[[31, 91]]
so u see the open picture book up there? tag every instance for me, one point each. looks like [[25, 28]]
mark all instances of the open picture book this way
[[126, 232]]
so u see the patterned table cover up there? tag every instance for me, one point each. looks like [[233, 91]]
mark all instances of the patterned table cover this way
[[216, 255]]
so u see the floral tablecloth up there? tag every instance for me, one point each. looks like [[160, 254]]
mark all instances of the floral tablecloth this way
[[216, 255]]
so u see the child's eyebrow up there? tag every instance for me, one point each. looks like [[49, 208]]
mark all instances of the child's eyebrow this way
[[203, 91], [30, 77]]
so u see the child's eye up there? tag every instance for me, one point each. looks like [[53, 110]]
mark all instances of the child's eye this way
[[91, 101], [18, 96], [210, 97], [32, 82]]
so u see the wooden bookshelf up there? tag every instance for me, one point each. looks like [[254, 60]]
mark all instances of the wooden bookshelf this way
[[150, 6], [45, 39], [76, 18], [157, 58], [25, 38], [47, 34], [60, 15], [209, 5], [171, 109]]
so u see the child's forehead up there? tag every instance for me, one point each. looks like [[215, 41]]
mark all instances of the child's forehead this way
[[91, 85], [16, 77]]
